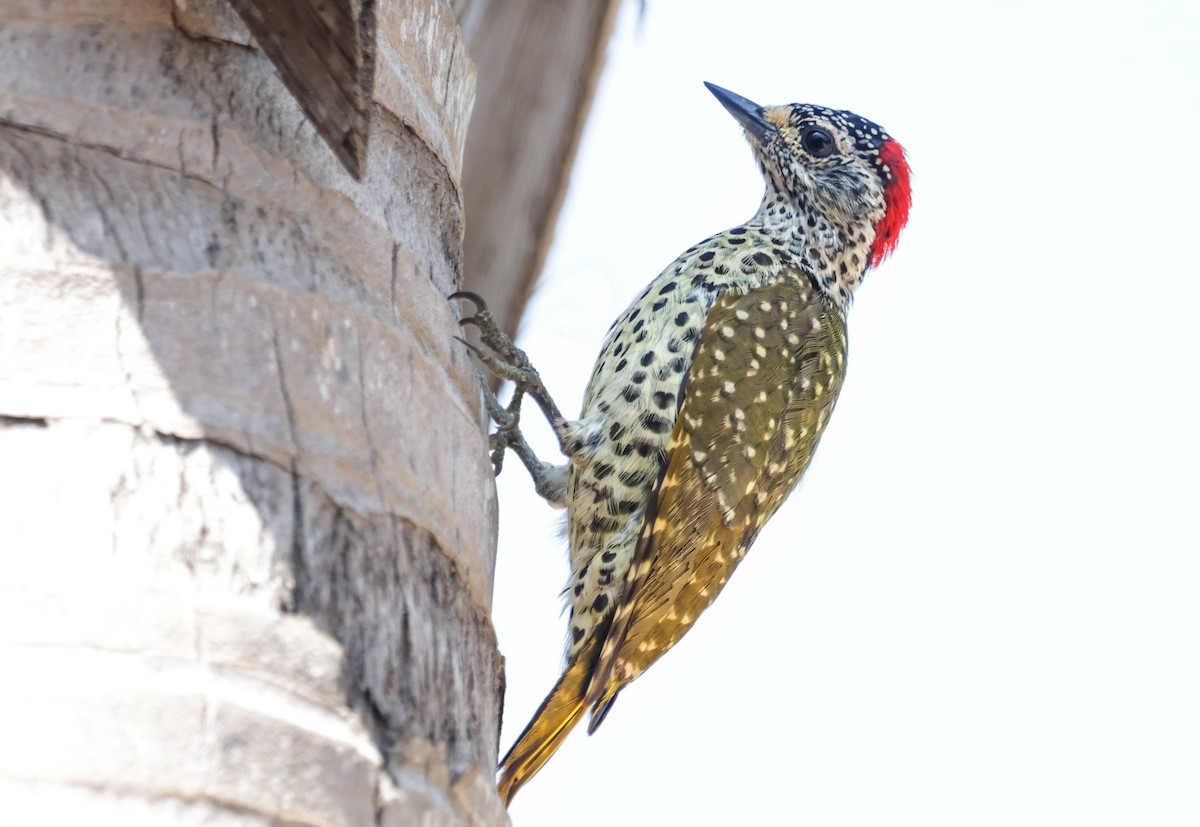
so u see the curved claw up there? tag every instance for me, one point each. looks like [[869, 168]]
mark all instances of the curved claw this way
[[468, 321], [474, 298], [513, 422], [470, 346]]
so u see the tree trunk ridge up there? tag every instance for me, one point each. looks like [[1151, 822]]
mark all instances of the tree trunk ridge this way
[[245, 495]]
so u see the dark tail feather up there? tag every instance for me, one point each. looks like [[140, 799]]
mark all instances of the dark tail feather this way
[[555, 719], [600, 712]]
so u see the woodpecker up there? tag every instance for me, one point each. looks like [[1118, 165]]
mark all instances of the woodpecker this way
[[706, 403]]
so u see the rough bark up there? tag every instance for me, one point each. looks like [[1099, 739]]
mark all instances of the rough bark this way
[[246, 515]]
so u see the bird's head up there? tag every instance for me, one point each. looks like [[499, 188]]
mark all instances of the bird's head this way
[[838, 172]]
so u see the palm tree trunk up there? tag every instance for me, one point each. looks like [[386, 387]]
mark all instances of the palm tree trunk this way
[[247, 524]]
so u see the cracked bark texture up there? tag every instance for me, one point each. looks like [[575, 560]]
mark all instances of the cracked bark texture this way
[[246, 515]]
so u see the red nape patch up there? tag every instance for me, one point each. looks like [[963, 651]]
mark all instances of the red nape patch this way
[[898, 195]]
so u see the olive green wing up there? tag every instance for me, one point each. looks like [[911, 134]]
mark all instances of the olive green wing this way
[[764, 379]]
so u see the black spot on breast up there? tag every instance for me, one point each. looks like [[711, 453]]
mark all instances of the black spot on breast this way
[[603, 525], [617, 350], [763, 259], [576, 634], [600, 470], [674, 346], [615, 430], [638, 326], [738, 231], [644, 449], [655, 423], [639, 377], [682, 318], [690, 334], [721, 269], [608, 556], [578, 589], [659, 305], [600, 603], [633, 479], [677, 364], [627, 506], [630, 393], [621, 365], [647, 358], [668, 287], [707, 256], [664, 399], [641, 337], [737, 241]]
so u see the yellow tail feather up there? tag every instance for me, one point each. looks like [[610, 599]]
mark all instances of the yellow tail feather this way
[[555, 719]]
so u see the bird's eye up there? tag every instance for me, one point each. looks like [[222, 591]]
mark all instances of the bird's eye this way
[[817, 142]]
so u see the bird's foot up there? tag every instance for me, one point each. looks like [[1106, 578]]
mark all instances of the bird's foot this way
[[507, 361], [499, 354]]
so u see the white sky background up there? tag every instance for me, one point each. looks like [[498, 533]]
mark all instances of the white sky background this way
[[980, 607]]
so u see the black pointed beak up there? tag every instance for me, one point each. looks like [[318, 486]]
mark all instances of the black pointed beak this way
[[747, 112]]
